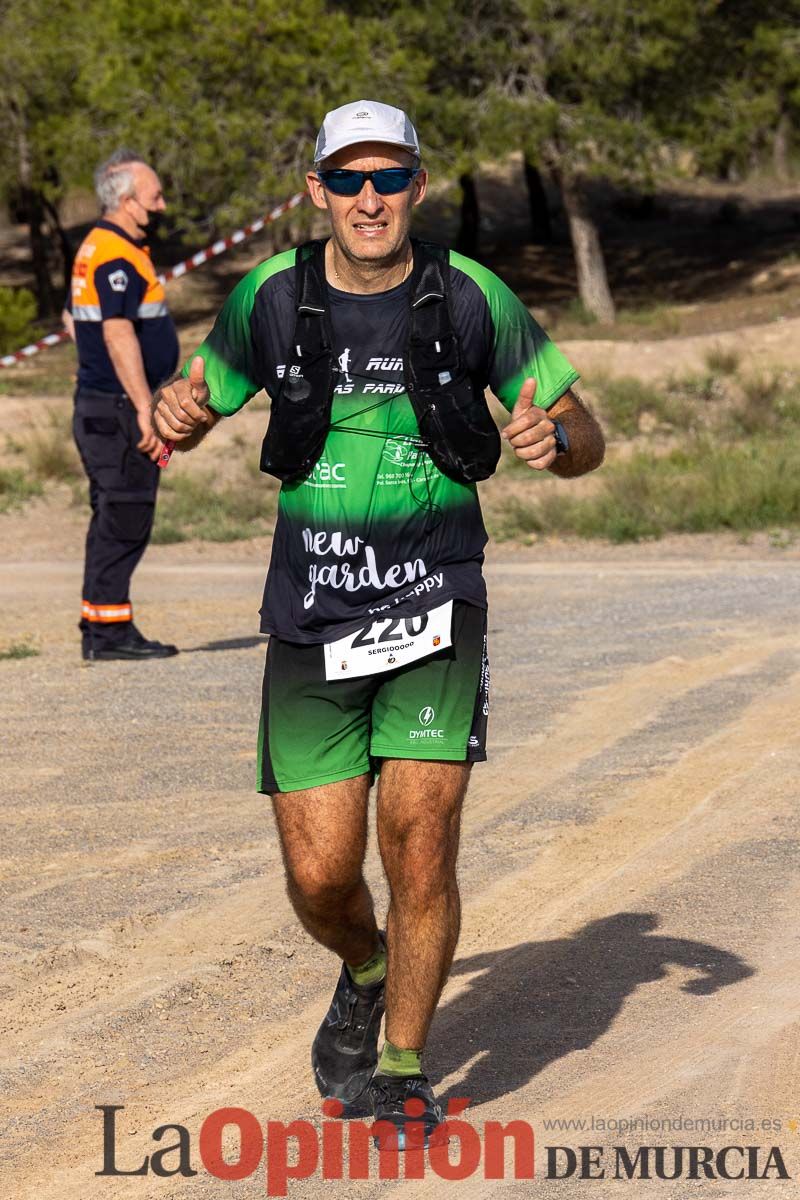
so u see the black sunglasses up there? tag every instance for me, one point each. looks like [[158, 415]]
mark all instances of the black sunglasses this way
[[387, 182]]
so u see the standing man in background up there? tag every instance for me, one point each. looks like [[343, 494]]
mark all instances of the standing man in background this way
[[127, 345]]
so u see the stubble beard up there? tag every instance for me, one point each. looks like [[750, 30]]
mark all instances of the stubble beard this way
[[372, 265]]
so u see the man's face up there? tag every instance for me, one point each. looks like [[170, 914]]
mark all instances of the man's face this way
[[147, 196], [369, 227]]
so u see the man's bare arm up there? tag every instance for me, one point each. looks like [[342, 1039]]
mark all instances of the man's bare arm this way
[[587, 445], [126, 359], [531, 433]]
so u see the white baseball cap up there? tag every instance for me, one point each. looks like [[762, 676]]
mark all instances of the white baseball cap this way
[[364, 121]]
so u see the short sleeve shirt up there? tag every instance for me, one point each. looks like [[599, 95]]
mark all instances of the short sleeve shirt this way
[[112, 277], [375, 527]]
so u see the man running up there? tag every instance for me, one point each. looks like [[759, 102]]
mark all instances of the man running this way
[[376, 350]]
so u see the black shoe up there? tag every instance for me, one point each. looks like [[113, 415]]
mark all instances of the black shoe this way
[[131, 646], [345, 1051], [389, 1095]]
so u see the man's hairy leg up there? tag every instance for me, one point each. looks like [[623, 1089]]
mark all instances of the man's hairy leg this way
[[323, 833], [419, 818]]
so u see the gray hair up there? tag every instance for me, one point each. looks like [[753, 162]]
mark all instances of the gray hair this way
[[113, 179]]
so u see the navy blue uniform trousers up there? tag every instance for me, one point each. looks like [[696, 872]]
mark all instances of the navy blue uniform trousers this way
[[122, 493]]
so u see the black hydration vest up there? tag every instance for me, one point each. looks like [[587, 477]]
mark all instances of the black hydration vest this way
[[454, 421]]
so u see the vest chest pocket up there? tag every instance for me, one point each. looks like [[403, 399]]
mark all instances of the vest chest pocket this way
[[460, 434], [436, 361], [300, 417]]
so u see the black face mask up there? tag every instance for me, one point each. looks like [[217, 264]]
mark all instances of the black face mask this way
[[154, 222]]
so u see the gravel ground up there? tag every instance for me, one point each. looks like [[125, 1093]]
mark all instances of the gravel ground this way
[[629, 872]]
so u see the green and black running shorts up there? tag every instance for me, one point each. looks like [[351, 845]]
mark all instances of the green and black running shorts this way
[[314, 731]]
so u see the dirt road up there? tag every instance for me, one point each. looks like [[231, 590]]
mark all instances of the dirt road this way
[[629, 873], [761, 348]]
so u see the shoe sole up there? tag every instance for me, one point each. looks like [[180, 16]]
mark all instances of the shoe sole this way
[[126, 657], [437, 1137]]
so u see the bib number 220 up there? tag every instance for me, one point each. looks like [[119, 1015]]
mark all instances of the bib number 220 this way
[[389, 642], [396, 629]]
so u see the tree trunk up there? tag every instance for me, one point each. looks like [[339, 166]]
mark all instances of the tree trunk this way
[[469, 229], [781, 146], [33, 207], [541, 229], [40, 253], [593, 286], [65, 246]]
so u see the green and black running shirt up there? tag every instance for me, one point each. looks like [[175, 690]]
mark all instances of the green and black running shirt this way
[[375, 528]]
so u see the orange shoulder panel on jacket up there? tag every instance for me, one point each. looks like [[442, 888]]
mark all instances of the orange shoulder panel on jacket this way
[[102, 246]]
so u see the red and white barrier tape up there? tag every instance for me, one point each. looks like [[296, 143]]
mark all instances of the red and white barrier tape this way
[[183, 268], [52, 339]]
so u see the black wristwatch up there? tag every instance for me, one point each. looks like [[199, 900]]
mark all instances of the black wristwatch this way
[[560, 434]]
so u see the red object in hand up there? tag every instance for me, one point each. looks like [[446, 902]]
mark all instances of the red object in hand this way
[[166, 454]]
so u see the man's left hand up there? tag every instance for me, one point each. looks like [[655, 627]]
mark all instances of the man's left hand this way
[[530, 432]]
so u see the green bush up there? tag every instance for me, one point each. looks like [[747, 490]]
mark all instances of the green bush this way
[[16, 487], [17, 315], [698, 490], [24, 649], [769, 404], [625, 398], [515, 520], [658, 319], [50, 447], [198, 506], [52, 375], [704, 388], [576, 311], [708, 486], [722, 362]]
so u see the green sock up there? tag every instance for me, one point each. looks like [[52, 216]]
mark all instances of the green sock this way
[[394, 1061], [372, 971]]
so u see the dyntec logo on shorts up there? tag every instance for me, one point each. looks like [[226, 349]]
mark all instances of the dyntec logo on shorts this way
[[426, 718]]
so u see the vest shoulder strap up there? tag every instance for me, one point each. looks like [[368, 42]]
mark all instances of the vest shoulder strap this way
[[310, 283], [430, 278], [431, 317]]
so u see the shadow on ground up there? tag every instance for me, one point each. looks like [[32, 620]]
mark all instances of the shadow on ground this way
[[537, 1002], [240, 643]]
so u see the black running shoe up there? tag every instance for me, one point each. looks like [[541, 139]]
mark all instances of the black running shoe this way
[[389, 1095], [128, 645], [345, 1051]]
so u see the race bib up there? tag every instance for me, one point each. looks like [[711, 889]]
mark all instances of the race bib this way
[[389, 642]]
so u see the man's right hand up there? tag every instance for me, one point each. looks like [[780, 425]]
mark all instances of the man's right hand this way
[[181, 405], [148, 443]]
